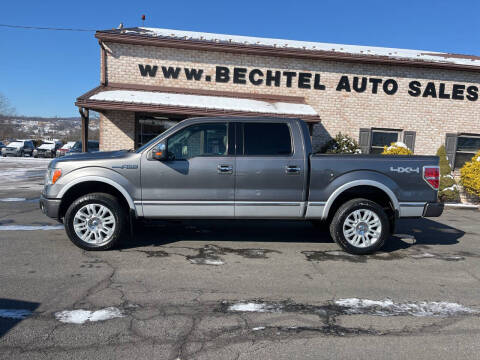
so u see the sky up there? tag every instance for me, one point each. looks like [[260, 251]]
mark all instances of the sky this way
[[43, 72]]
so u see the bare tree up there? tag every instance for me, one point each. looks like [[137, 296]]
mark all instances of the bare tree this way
[[5, 107]]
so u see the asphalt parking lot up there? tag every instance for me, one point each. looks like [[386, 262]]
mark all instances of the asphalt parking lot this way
[[233, 289]]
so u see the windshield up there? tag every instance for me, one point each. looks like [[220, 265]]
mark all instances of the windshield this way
[[46, 146], [15, 144]]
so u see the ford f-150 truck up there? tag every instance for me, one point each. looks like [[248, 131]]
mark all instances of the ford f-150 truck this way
[[238, 168]]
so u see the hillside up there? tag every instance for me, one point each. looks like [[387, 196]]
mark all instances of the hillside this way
[[64, 128]]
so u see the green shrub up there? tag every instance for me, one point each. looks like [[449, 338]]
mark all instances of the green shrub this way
[[341, 144], [448, 189], [397, 148], [470, 175]]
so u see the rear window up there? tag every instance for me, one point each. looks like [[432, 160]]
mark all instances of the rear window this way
[[267, 139]]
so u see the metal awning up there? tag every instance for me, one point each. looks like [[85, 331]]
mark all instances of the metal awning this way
[[197, 104]]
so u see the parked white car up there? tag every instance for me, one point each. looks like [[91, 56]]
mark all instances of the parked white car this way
[[18, 148], [64, 149], [47, 149]]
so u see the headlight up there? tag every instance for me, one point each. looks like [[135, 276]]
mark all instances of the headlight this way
[[52, 176]]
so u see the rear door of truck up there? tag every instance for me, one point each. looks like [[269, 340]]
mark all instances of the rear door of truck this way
[[271, 176]]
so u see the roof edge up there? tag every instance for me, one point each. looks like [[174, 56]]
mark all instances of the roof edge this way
[[252, 49]]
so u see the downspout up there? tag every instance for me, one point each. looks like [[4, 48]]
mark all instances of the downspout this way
[[103, 64]]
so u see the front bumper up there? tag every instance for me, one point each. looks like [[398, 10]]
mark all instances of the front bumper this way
[[433, 209], [50, 207]]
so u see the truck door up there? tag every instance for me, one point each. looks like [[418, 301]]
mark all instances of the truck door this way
[[198, 178], [270, 178]]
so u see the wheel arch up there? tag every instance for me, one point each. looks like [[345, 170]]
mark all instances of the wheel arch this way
[[90, 184], [357, 189]]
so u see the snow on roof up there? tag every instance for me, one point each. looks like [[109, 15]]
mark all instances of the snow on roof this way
[[204, 102], [404, 54]]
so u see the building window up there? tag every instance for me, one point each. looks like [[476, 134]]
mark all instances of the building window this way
[[381, 138], [372, 141], [461, 148]]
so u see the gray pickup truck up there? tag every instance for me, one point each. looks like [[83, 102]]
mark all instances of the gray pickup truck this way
[[238, 168]]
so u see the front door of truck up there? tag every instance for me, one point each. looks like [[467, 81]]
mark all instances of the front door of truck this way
[[270, 181], [198, 178]]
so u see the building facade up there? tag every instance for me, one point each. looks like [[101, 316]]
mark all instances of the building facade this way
[[153, 78]]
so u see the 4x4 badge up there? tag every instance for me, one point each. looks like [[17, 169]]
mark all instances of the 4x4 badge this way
[[407, 170]]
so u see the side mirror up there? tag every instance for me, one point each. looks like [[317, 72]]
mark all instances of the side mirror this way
[[159, 152]]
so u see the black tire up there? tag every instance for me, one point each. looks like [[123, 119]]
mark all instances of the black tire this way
[[337, 223], [112, 204]]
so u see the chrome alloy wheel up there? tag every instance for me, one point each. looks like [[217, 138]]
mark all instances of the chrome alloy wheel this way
[[94, 224], [362, 228]]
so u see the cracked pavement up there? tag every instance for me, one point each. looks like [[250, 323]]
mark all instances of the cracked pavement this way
[[175, 282]]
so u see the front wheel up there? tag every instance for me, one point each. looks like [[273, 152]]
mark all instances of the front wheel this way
[[360, 226], [96, 221]]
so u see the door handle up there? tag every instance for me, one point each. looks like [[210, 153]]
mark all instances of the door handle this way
[[224, 169], [292, 169]]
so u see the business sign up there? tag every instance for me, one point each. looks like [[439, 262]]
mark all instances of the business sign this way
[[309, 80]]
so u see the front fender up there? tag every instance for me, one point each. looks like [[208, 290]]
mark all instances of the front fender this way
[[107, 176]]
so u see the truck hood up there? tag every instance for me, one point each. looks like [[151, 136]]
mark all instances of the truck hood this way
[[100, 156]]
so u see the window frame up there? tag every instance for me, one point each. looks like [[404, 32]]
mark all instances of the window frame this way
[[463, 135], [382, 130], [240, 139], [228, 132]]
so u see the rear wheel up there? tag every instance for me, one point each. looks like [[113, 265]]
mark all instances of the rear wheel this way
[[360, 226], [96, 221]]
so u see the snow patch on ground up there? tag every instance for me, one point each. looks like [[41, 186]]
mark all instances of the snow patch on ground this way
[[258, 328], [249, 307], [13, 199], [387, 307], [14, 313], [81, 316], [203, 261], [30, 227], [423, 255]]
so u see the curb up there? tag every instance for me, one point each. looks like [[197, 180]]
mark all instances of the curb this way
[[462, 206]]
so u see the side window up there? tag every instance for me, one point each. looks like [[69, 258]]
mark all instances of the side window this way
[[198, 140], [272, 139]]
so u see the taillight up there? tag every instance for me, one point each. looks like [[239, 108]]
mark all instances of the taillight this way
[[431, 174]]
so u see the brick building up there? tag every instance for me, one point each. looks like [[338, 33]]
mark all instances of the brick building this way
[[152, 78]]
